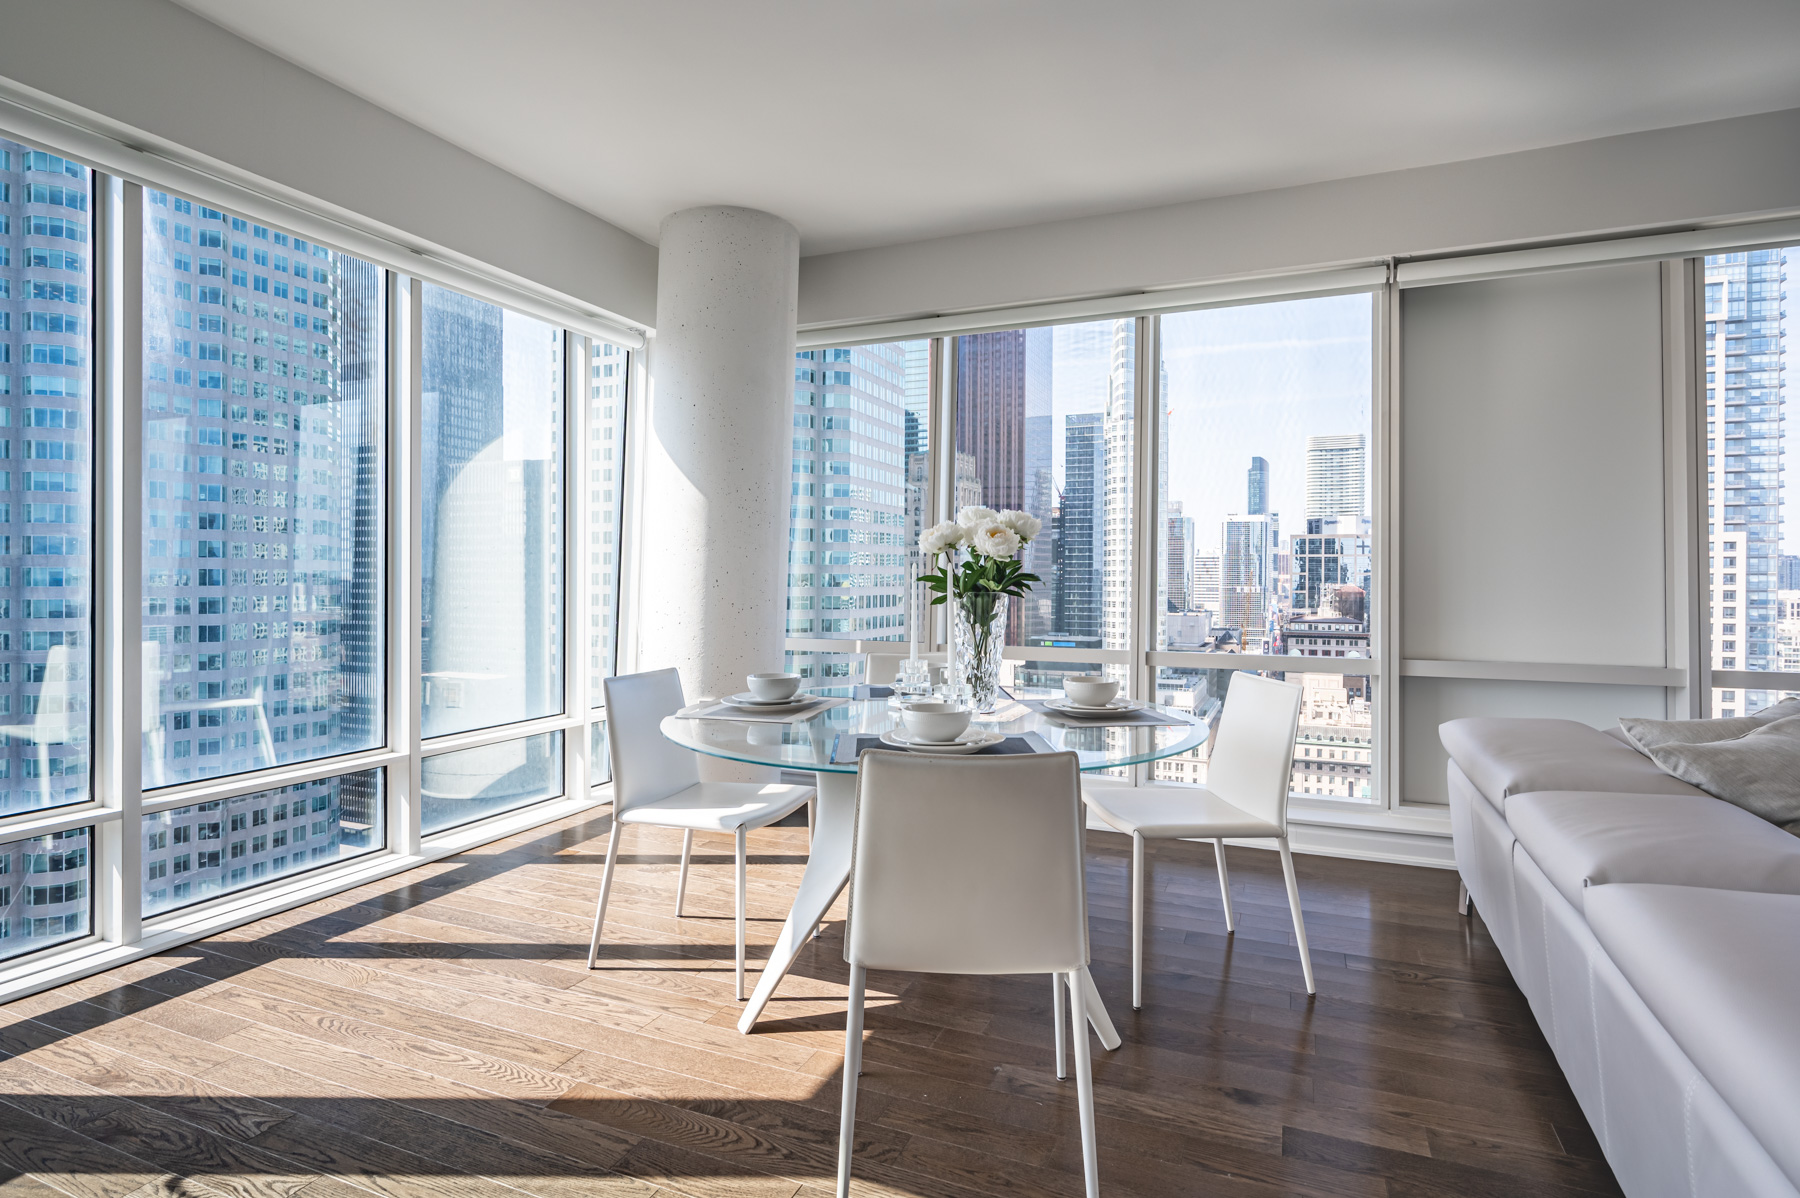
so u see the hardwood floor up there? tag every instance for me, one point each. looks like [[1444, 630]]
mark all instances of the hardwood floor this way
[[438, 1034]]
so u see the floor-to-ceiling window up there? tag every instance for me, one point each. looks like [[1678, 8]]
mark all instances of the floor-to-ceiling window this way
[[1264, 532], [258, 493], [1752, 620]]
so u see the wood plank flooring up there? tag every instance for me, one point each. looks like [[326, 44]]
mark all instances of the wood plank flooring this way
[[438, 1033]]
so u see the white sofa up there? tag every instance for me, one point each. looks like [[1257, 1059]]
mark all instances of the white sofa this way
[[1655, 931]]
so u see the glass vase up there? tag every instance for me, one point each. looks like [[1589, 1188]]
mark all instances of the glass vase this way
[[979, 631]]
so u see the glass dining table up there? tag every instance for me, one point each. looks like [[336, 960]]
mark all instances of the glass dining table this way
[[813, 745]]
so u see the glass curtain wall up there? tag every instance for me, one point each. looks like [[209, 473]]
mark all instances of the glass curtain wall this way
[[240, 614], [860, 468], [1753, 550], [1264, 533]]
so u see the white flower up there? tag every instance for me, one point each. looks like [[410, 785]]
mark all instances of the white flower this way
[[994, 539], [972, 518], [1023, 523], [942, 538]]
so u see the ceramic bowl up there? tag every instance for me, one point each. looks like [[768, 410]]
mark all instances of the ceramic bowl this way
[[935, 721], [773, 686], [1089, 690]]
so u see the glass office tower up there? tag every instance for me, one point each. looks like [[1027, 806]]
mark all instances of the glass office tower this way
[[1746, 402]]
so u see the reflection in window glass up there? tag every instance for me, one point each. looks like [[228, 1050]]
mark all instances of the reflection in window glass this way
[[599, 754], [46, 489], [1264, 539], [472, 783], [861, 457], [264, 388], [46, 891], [492, 514], [200, 852], [1753, 529], [1044, 424]]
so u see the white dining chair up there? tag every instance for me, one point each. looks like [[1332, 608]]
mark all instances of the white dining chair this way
[[657, 782], [881, 669], [1245, 798], [969, 865]]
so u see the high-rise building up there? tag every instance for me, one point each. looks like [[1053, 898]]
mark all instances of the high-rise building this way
[[1258, 488], [1203, 591], [1790, 572], [848, 557], [1248, 579], [1336, 475], [1333, 552], [1079, 542], [1003, 411], [1178, 546], [1116, 504], [1745, 428]]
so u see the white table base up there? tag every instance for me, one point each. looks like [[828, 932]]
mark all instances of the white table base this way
[[827, 873]]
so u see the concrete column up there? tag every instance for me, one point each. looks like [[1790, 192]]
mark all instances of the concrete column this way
[[714, 504]]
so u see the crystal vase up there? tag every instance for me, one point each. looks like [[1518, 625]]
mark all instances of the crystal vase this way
[[979, 620]]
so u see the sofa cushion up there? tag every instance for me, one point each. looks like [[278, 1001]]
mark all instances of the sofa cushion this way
[[1759, 772], [1505, 757], [1587, 839], [1648, 734], [1719, 969]]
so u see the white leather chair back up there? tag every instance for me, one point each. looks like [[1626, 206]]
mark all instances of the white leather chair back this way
[[646, 765], [968, 865], [1253, 752]]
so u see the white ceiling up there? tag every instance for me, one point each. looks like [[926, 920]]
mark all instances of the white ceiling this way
[[873, 123]]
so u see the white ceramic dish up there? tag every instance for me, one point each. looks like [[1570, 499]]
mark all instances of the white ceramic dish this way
[[1116, 707], [974, 740], [1090, 690], [750, 702], [935, 720], [773, 687]]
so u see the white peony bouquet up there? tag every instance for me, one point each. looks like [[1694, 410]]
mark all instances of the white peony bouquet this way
[[975, 558]]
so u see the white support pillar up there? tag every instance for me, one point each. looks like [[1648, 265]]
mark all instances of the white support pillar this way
[[714, 499]]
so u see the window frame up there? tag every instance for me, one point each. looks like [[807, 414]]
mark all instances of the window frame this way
[[118, 802]]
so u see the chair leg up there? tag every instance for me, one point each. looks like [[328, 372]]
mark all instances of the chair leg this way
[[1062, 1035], [740, 914], [1224, 884], [687, 846], [853, 1028], [606, 876], [1287, 870], [1462, 897], [1137, 922], [1084, 1084]]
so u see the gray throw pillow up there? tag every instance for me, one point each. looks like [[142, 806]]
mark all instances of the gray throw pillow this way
[[1648, 734], [1759, 771]]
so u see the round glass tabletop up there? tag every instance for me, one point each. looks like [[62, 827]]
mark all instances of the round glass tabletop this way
[[813, 744]]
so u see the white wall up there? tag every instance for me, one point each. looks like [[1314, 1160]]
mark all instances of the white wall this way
[[1663, 179], [152, 67], [1531, 496]]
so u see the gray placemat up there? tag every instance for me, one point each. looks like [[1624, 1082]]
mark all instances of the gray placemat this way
[[848, 747], [1143, 717]]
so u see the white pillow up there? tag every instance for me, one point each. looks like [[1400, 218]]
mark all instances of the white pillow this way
[[1759, 771], [1648, 734]]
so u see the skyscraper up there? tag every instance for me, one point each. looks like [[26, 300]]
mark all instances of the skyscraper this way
[[1247, 582], [1003, 411], [1079, 543], [1178, 546], [1745, 429], [1116, 503], [1259, 488], [1336, 475], [849, 555]]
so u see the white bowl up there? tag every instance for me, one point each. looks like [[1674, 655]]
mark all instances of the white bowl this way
[[773, 686], [1089, 690], [935, 721]]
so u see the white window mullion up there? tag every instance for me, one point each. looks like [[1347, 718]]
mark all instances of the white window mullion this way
[[1384, 545], [404, 602], [579, 571], [118, 674], [941, 472], [1146, 515]]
